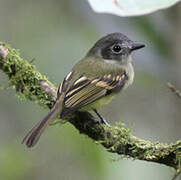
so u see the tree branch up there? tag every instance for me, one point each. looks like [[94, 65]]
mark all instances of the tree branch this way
[[174, 90], [30, 84]]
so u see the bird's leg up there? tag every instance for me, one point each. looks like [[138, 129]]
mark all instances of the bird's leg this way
[[101, 118]]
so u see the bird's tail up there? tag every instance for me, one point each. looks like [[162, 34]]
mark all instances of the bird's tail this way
[[34, 134]]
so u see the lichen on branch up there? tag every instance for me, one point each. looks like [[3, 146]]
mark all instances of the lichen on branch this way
[[24, 77], [29, 83]]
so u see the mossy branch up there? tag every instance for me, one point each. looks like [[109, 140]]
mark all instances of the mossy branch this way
[[30, 84]]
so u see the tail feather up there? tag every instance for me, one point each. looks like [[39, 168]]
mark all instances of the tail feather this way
[[34, 134]]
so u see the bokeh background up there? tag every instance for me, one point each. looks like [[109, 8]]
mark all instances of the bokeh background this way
[[56, 34]]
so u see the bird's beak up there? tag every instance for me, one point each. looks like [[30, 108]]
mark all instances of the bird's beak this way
[[136, 46]]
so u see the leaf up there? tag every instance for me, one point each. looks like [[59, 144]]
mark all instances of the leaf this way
[[130, 7]]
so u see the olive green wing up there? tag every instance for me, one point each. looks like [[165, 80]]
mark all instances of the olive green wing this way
[[84, 91]]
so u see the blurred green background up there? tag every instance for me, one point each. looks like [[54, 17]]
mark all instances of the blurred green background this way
[[56, 34]]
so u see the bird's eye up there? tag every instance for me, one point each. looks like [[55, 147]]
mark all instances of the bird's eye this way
[[116, 49]]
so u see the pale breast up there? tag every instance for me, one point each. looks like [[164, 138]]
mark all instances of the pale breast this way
[[130, 73]]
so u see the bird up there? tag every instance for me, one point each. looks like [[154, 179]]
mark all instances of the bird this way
[[104, 72]]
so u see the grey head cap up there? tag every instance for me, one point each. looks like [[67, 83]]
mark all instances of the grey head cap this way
[[114, 46]]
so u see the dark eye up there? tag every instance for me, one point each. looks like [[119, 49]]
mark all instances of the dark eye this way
[[116, 48]]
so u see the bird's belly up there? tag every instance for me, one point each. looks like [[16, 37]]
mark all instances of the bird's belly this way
[[98, 103]]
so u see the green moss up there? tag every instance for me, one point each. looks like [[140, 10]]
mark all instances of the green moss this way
[[25, 78]]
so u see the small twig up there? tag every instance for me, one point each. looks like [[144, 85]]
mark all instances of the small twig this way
[[174, 90]]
